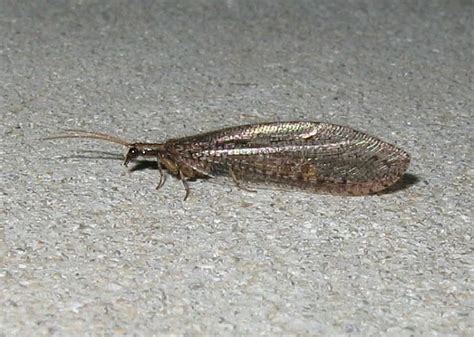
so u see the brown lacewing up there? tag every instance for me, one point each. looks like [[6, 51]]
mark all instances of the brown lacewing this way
[[315, 156]]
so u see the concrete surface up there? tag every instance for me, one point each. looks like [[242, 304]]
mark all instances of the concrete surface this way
[[90, 248]]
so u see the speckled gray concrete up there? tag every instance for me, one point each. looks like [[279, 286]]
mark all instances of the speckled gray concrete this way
[[87, 247]]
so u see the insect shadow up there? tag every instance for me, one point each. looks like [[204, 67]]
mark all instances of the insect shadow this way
[[406, 181], [144, 165], [94, 155]]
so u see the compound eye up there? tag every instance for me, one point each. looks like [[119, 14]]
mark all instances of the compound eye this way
[[132, 153]]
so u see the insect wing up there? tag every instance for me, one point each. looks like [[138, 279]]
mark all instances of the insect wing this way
[[314, 155]]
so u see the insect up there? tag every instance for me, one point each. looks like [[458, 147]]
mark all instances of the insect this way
[[315, 156]]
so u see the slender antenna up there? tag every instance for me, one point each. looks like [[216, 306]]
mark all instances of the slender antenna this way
[[71, 133]]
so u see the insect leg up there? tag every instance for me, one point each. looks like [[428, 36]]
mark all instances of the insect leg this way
[[237, 182], [185, 184], [162, 175]]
